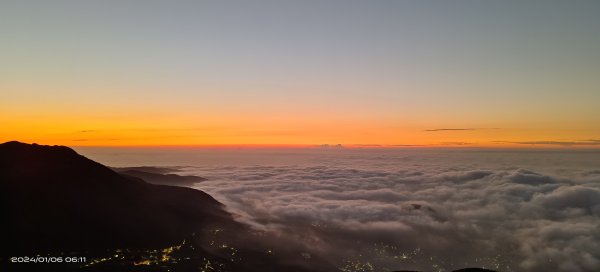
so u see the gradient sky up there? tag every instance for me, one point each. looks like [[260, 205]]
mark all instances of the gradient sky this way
[[475, 73]]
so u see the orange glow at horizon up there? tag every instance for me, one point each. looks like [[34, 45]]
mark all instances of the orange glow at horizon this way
[[268, 131]]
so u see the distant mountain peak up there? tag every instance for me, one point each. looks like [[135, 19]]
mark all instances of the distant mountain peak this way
[[23, 147], [13, 143], [17, 143]]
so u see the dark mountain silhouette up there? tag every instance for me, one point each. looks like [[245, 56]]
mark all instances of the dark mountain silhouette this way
[[53, 200], [53, 197], [160, 178]]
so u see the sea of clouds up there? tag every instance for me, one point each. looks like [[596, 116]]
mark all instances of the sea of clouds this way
[[403, 209], [433, 212]]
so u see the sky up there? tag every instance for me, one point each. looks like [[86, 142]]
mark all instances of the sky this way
[[357, 73]]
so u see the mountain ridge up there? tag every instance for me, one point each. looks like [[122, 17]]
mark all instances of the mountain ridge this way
[[48, 190]]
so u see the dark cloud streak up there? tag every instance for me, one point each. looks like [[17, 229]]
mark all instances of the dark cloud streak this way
[[557, 143], [456, 129]]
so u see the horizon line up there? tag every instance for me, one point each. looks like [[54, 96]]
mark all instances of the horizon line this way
[[348, 146], [444, 145]]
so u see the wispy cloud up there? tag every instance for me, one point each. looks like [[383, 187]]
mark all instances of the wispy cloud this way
[[557, 143], [455, 143], [456, 129], [406, 145]]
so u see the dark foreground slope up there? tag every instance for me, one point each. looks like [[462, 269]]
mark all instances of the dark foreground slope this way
[[55, 202], [51, 197]]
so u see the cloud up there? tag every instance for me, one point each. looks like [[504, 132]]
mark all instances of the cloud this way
[[456, 129], [557, 143], [406, 145], [449, 129], [573, 197], [455, 143], [330, 146], [410, 211]]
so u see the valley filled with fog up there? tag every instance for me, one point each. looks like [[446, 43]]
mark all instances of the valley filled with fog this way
[[390, 209]]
